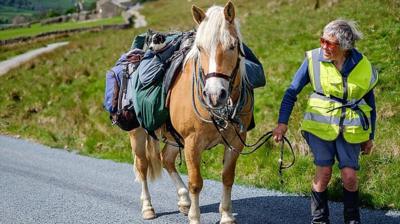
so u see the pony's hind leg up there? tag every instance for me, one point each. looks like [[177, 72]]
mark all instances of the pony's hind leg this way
[[169, 155], [228, 177], [138, 138]]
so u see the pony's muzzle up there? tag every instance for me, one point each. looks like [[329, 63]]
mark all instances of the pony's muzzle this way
[[216, 99]]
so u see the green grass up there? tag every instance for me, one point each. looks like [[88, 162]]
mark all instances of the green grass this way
[[37, 28], [56, 98]]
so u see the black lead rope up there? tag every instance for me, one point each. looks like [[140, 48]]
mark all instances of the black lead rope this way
[[258, 144], [281, 165]]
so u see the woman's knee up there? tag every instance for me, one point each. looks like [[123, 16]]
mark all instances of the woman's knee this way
[[322, 177], [349, 178], [324, 173]]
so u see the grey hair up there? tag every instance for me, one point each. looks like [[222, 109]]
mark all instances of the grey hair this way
[[346, 31]]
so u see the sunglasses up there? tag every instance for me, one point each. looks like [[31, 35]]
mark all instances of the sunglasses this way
[[329, 44]]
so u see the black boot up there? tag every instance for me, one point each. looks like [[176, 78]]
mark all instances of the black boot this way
[[351, 211], [319, 207]]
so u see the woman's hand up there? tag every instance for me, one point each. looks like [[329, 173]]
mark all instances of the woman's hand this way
[[366, 147], [279, 132]]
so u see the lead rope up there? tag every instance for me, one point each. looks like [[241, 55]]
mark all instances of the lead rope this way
[[281, 166], [258, 144]]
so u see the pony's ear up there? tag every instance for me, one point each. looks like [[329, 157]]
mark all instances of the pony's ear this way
[[229, 12], [198, 14]]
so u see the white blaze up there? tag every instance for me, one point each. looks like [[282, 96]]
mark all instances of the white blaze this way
[[214, 84]]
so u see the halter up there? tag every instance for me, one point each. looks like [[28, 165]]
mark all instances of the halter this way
[[229, 111]]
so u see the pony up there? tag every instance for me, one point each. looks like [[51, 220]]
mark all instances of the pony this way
[[208, 105]]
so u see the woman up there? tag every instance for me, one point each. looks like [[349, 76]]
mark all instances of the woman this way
[[340, 117]]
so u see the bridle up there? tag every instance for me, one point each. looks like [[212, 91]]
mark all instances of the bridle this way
[[231, 78], [228, 111]]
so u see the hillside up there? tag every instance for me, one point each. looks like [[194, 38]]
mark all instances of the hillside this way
[[56, 99]]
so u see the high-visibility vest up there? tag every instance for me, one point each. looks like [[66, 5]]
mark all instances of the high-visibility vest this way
[[337, 103]]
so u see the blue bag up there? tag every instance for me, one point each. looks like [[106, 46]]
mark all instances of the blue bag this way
[[116, 101], [255, 76]]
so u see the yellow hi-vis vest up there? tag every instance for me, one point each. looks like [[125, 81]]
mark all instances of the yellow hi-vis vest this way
[[337, 104]]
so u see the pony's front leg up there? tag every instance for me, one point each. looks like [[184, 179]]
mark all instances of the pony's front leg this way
[[169, 155], [193, 158], [228, 177], [138, 144]]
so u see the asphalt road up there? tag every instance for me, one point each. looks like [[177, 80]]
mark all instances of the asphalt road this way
[[16, 61], [43, 185]]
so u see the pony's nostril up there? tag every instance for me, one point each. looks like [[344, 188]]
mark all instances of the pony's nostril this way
[[204, 93], [223, 94]]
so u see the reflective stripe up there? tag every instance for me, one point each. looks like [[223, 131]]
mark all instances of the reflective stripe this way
[[316, 70], [332, 120], [374, 76], [354, 122], [320, 118], [357, 101], [319, 96]]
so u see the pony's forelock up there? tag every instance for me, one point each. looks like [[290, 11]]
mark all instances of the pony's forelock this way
[[216, 24]]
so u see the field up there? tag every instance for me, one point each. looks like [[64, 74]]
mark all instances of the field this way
[[8, 13], [38, 28], [56, 99], [37, 8]]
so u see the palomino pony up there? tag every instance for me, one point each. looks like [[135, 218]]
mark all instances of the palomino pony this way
[[204, 109]]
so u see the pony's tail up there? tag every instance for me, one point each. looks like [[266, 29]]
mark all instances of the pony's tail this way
[[153, 158]]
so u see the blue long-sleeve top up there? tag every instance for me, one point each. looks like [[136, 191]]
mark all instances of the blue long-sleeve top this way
[[301, 79]]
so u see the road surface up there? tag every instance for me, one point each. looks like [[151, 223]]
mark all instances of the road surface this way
[[44, 185]]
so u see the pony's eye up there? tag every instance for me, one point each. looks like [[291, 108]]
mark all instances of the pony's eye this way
[[232, 47]]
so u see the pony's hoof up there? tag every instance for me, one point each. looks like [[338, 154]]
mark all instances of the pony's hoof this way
[[184, 210], [149, 214], [229, 222]]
